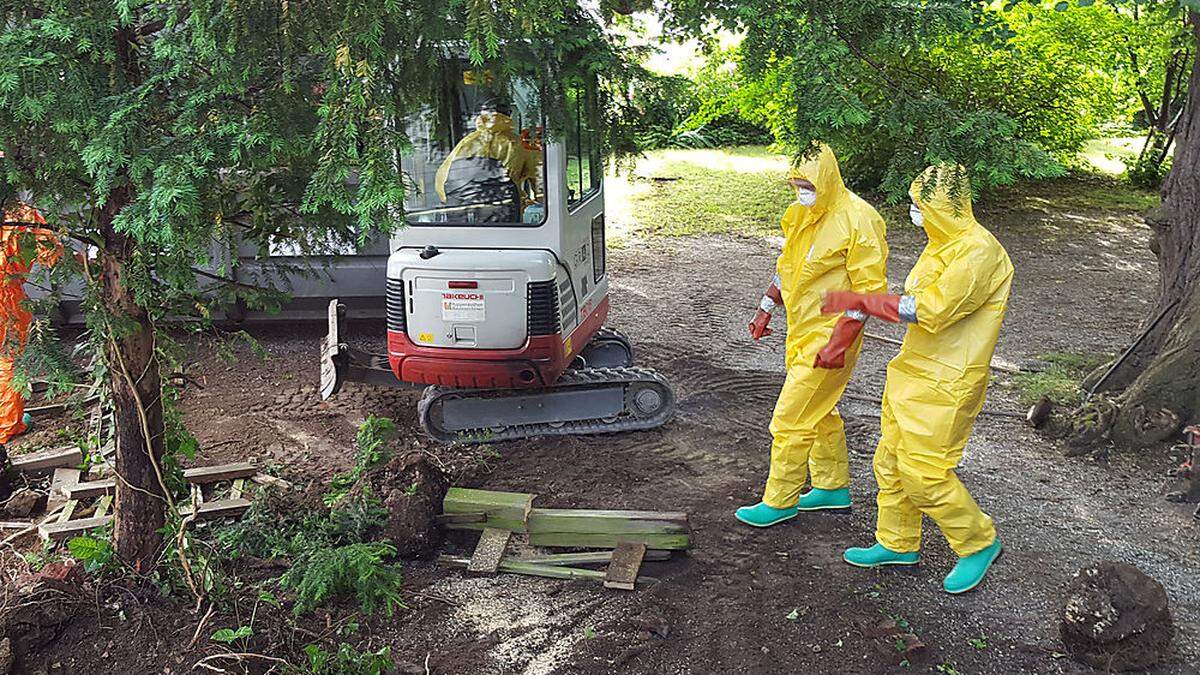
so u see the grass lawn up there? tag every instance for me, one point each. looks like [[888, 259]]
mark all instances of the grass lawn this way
[[743, 191]]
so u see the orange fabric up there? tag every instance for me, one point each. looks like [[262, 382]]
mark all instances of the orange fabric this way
[[21, 228]]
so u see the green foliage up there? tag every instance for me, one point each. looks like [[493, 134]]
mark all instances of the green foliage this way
[[353, 571], [96, 553], [267, 533], [348, 661], [229, 635], [1147, 172], [1060, 379], [1009, 90], [374, 441]]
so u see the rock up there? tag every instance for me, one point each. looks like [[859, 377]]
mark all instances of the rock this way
[[22, 503], [6, 656], [1116, 618], [411, 489]]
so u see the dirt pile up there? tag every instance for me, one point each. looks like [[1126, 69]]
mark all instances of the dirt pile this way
[[1116, 618], [411, 489], [35, 614]]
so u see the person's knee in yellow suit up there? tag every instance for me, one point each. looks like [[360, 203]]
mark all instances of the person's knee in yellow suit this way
[[833, 240], [954, 302], [22, 229]]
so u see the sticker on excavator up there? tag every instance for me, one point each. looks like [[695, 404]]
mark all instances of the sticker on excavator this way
[[463, 307]]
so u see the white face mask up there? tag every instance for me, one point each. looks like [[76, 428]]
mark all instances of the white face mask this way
[[806, 197], [918, 218]]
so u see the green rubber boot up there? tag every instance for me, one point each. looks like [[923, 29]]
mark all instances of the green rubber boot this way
[[817, 499], [878, 556], [761, 515], [971, 569]]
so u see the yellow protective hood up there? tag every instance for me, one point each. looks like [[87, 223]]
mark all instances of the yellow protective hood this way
[[945, 203], [493, 138], [823, 172]]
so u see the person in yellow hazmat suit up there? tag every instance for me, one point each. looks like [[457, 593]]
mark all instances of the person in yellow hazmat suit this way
[[23, 241], [495, 138], [954, 302], [833, 240]]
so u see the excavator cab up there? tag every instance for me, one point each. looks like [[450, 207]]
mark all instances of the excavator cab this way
[[497, 288]]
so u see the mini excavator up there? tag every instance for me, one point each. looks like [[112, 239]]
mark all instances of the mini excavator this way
[[498, 289]]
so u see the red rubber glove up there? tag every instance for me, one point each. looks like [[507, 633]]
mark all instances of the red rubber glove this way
[[758, 326], [833, 354], [881, 305]]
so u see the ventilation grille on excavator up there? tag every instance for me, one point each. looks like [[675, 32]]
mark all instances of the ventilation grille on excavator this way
[[542, 308], [397, 316]]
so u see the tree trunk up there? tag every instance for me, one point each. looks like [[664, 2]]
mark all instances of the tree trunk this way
[[1161, 377], [137, 403]]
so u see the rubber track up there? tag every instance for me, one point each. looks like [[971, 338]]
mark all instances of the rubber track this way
[[606, 334], [594, 378]]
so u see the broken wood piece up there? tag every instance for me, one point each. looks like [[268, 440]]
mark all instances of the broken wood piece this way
[[218, 508], [61, 531], [586, 558], [89, 489], [590, 521], [666, 542], [489, 551], [264, 479], [622, 572], [220, 472], [239, 486], [16, 524], [48, 459], [514, 566], [504, 510], [102, 506]]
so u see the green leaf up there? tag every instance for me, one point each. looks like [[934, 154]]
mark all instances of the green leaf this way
[[227, 635]]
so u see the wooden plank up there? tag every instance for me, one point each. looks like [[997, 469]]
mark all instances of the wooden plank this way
[[460, 518], [666, 542], [239, 486], [586, 558], [89, 489], [62, 479], [505, 510], [61, 531], [48, 459], [102, 506], [622, 572], [513, 566], [16, 524], [607, 522], [218, 508], [489, 551], [68, 510], [220, 472]]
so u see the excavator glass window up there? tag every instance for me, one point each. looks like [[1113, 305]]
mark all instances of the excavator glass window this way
[[584, 165], [477, 156]]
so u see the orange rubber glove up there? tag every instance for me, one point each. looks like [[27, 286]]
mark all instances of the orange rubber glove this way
[[883, 306], [833, 354], [758, 325], [771, 298]]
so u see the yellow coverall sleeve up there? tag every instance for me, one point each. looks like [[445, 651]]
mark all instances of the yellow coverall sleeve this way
[[963, 287], [866, 264]]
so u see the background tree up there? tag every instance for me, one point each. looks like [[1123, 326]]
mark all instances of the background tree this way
[[161, 133]]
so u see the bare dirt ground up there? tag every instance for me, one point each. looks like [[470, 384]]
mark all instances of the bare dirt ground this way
[[743, 601]]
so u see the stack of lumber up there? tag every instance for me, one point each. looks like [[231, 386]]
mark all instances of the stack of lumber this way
[[630, 537]]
